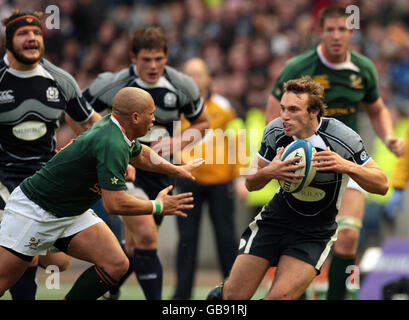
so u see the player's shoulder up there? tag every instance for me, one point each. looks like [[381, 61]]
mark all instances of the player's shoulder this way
[[58, 73], [274, 127], [181, 81], [112, 77], [363, 62], [339, 132], [298, 63]]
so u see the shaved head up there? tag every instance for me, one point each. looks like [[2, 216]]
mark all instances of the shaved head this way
[[197, 69], [131, 99]]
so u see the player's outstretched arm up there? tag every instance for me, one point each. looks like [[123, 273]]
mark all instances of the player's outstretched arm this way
[[149, 160], [119, 202]]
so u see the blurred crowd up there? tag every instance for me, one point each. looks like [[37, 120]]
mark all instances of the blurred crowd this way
[[244, 42]]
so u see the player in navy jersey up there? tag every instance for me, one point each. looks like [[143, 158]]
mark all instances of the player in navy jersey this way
[[295, 231], [33, 95], [174, 93]]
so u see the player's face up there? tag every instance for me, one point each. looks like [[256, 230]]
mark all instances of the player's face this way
[[336, 37], [150, 64], [297, 120], [28, 44], [146, 120]]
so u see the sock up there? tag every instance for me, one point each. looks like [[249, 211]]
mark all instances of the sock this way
[[303, 297], [26, 287], [91, 284], [337, 277], [148, 270]]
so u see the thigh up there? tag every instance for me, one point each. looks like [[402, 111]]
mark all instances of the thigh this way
[[11, 269], [291, 279], [352, 204], [245, 277], [96, 244]]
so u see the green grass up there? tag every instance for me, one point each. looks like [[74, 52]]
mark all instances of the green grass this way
[[128, 292]]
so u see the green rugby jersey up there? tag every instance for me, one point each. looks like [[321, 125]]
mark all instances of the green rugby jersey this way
[[71, 182], [346, 84]]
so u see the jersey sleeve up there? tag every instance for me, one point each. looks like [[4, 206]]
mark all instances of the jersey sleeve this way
[[102, 90], [112, 161], [268, 147], [372, 91], [77, 107]]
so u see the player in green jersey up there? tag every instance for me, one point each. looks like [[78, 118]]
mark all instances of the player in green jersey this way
[[50, 209], [350, 83]]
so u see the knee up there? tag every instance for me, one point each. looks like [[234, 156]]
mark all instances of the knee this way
[[233, 292], [347, 242], [117, 267], [145, 238]]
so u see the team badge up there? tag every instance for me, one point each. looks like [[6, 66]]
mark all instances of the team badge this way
[[363, 155], [52, 94], [169, 100], [356, 81]]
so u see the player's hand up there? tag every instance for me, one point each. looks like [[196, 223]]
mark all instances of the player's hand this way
[[185, 171], [328, 160], [395, 204], [166, 146], [396, 145], [174, 204], [285, 170], [130, 174]]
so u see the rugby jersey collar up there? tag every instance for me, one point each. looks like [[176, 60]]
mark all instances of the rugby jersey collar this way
[[346, 65], [315, 133], [37, 71], [129, 142]]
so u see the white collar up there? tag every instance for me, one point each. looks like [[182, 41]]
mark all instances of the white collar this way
[[346, 65], [129, 142]]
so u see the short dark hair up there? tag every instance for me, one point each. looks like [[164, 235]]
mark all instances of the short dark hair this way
[[149, 38], [332, 11], [314, 90]]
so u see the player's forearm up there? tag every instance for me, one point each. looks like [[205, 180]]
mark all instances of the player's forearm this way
[[120, 203], [149, 160], [370, 177], [258, 180]]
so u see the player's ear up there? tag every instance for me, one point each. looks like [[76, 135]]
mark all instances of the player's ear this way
[[132, 56]]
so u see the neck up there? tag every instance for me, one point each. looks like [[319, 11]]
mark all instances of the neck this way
[[332, 58], [17, 65], [310, 130]]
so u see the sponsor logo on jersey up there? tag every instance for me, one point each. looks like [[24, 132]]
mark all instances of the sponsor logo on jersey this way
[[310, 194], [52, 94], [356, 81], [29, 130], [96, 188], [169, 100], [6, 96], [323, 80]]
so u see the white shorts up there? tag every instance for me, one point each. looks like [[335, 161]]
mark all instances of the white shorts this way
[[30, 230], [353, 185]]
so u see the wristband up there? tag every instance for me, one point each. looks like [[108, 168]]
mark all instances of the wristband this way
[[157, 207], [387, 139]]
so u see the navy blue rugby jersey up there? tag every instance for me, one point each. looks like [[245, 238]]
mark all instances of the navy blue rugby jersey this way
[[31, 104], [320, 200], [173, 94]]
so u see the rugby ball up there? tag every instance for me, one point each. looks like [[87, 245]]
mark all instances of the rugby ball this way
[[305, 150]]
